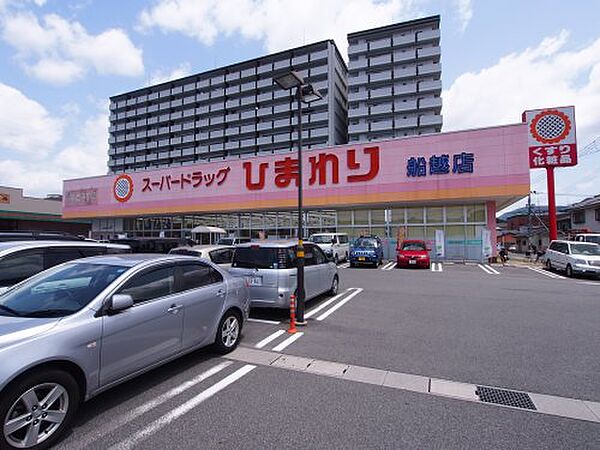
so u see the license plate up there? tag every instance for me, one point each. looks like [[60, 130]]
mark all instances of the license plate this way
[[412, 261], [255, 281], [361, 258]]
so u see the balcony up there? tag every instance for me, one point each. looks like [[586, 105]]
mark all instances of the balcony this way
[[430, 120], [429, 52]]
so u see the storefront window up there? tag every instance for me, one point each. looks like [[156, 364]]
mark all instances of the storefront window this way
[[435, 214], [398, 215], [475, 213], [377, 216], [455, 214], [344, 217], [361, 217], [378, 231], [414, 215], [415, 232]]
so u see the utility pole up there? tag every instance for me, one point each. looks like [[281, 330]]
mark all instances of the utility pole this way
[[529, 225]]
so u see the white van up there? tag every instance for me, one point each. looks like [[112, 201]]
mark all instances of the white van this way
[[336, 245], [588, 237], [573, 257]]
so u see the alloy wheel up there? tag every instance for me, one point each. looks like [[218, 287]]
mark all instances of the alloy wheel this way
[[230, 331], [36, 415]]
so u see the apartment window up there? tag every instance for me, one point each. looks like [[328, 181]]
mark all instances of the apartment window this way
[[579, 216]]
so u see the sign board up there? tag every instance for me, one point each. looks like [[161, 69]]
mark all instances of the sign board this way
[[551, 137], [476, 165], [4, 198], [440, 251], [486, 237]]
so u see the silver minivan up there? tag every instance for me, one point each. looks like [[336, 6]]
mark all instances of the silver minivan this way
[[270, 270]]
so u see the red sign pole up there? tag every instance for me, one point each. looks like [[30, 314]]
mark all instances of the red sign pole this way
[[551, 204]]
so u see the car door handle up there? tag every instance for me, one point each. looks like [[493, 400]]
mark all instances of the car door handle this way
[[174, 309], [220, 293]]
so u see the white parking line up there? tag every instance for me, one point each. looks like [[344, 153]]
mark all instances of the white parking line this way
[[344, 266], [340, 304], [85, 441], [293, 338], [272, 322], [325, 304], [385, 266], [165, 420], [546, 273], [269, 338], [488, 269], [436, 267]]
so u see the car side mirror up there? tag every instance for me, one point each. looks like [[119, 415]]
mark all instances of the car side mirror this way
[[120, 302]]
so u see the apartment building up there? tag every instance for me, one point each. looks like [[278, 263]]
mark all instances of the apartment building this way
[[230, 112], [394, 81]]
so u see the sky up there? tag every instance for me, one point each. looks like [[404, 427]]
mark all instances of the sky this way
[[61, 60]]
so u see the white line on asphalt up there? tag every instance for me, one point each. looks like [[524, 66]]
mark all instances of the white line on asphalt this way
[[340, 304], [488, 269], [589, 283], [344, 266], [182, 409], [325, 304], [272, 322], [269, 338], [107, 428], [293, 338], [436, 267], [387, 265], [546, 273]]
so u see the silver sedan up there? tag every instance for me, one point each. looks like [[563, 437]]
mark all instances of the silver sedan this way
[[80, 328]]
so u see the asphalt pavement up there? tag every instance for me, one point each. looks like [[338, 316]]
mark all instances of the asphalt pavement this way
[[508, 327]]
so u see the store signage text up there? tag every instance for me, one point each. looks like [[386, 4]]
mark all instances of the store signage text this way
[[192, 179], [416, 166], [362, 167], [82, 197], [551, 137]]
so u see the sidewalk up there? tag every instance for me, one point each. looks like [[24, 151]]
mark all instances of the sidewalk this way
[[519, 259]]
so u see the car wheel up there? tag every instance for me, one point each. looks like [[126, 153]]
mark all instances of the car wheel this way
[[569, 271], [229, 332], [335, 285], [336, 259], [548, 264], [37, 409]]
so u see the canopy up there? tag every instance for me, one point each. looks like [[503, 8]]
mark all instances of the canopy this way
[[206, 229]]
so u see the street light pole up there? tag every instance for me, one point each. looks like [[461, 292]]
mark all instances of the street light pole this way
[[305, 93], [300, 297]]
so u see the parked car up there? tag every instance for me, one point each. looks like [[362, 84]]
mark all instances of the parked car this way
[[218, 254], [20, 260], [9, 236], [588, 237], [153, 245], [413, 253], [80, 328], [366, 250], [270, 270], [573, 257], [233, 240], [335, 245]]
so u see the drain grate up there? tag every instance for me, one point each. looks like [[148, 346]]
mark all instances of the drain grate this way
[[504, 397]]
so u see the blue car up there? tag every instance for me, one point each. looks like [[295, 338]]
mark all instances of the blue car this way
[[366, 250]]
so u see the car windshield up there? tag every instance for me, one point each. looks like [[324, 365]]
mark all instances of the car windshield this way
[[594, 239], [322, 239], [585, 249], [59, 292], [256, 257], [226, 241], [414, 246], [362, 242]]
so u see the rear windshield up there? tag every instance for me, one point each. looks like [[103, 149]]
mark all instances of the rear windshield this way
[[362, 242], [226, 241], [263, 258], [322, 239], [594, 239], [414, 246]]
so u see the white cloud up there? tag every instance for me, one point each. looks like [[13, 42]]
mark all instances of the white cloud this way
[[279, 24], [33, 154], [58, 51], [465, 12], [541, 76], [160, 76], [25, 125]]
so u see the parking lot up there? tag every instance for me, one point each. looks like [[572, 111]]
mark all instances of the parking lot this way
[[392, 361]]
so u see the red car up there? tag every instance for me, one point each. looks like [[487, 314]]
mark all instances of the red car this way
[[413, 253]]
